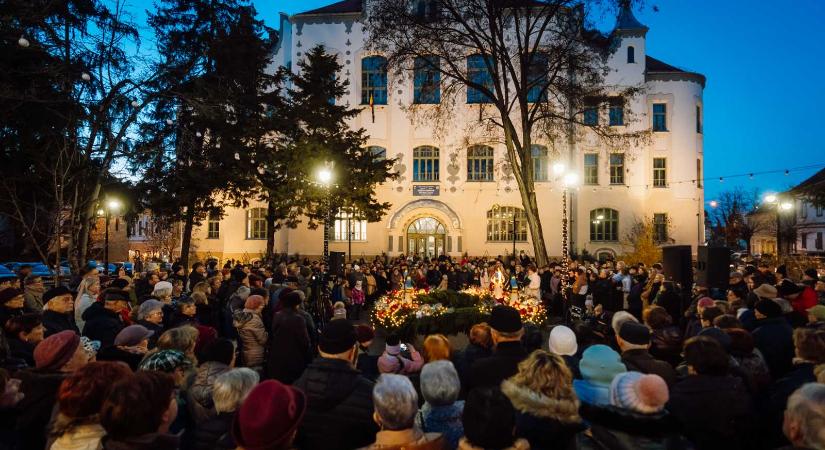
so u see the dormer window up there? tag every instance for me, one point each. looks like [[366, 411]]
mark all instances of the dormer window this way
[[631, 55]]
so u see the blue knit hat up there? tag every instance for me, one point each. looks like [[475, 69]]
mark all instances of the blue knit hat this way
[[600, 364]]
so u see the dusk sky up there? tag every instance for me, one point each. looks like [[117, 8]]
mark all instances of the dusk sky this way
[[765, 66]]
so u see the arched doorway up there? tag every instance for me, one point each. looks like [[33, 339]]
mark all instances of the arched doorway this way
[[426, 237]]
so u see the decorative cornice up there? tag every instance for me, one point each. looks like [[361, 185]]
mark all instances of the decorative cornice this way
[[676, 76]]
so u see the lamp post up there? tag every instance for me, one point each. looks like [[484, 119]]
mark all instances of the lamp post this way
[[569, 179], [780, 206], [324, 177], [111, 205]]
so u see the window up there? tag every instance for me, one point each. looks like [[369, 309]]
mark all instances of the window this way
[[617, 168], [213, 227], [374, 80], [698, 119], [591, 168], [427, 80], [426, 11], [631, 55], [616, 112], [659, 172], [699, 173], [604, 225], [378, 153], [660, 227], [819, 210], [591, 113], [500, 224], [425, 163], [659, 117], [537, 79], [256, 223], [478, 72], [804, 238], [540, 162], [803, 209], [818, 243], [480, 163], [348, 226]]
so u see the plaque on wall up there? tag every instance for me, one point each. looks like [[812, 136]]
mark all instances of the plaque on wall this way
[[426, 190]]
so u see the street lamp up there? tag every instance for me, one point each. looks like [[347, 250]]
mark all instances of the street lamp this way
[[324, 177], [568, 181], [111, 205], [780, 206]]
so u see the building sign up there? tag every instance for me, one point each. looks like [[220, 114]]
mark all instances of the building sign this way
[[426, 190]]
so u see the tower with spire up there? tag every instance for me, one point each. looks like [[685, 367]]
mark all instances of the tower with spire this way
[[628, 42]]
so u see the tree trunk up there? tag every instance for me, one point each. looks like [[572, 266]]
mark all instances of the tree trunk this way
[[270, 230], [186, 241], [531, 210]]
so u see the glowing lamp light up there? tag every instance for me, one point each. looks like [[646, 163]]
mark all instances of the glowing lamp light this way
[[558, 168], [23, 42], [714, 203], [571, 179], [101, 212], [237, 156], [786, 206], [770, 198], [113, 205], [85, 76], [325, 176]]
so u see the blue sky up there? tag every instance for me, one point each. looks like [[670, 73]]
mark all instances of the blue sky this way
[[765, 65]]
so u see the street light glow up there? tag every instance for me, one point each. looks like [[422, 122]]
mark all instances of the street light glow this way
[[571, 179], [714, 203], [770, 198], [113, 204], [786, 206], [558, 168], [325, 176]]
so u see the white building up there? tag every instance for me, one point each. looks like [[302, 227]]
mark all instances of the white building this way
[[443, 200], [810, 218]]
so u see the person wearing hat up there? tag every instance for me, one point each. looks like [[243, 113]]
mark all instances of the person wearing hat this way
[[636, 418], [809, 277], [393, 361], [598, 366], [694, 325], [773, 336], [269, 417], [11, 304], [103, 320], [634, 341], [562, 342], [177, 364], [801, 297], [736, 282], [130, 346], [58, 311], [56, 357], [507, 330], [367, 363], [290, 349], [489, 422], [339, 398], [150, 315], [816, 317]]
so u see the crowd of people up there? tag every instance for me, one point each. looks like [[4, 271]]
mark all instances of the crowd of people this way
[[254, 357]]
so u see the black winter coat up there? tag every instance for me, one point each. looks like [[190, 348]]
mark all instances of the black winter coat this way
[[101, 324], [612, 428], [55, 322], [289, 346], [213, 433], [8, 313], [21, 350], [494, 369], [537, 418], [666, 345], [157, 328], [774, 338], [114, 353], [35, 409], [715, 411], [641, 361], [777, 400], [339, 407]]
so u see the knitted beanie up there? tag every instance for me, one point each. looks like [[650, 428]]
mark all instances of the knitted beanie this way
[[562, 341], [600, 364], [634, 391]]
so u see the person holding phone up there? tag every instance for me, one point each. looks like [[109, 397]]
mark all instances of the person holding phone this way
[[395, 359]]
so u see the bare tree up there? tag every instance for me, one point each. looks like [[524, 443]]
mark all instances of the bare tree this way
[[729, 225], [532, 68], [163, 236]]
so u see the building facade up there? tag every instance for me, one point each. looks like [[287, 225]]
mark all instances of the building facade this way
[[810, 216], [455, 194]]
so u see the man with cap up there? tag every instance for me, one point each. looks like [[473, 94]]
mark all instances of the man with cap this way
[[102, 320], [58, 311], [801, 297], [177, 364], [150, 315], [816, 317], [269, 417], [773, 336], [130, 346], [507, 331], [634, 342], [11, 304], [339, 399]]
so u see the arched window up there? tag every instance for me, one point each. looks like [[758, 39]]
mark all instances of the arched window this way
[[425, 163], [427, 80], [256, 223], [478, 72], [374, 80], [503, 220], [540, 162], [536, 78], [631, 54], [480, 163], [604, 225], [378, 153]]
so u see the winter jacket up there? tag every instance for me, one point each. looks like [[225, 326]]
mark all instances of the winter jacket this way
[[639, 360], [411, 439], [612, 428], [200, 391], [367, 364], [592, 393], [8, 313], [80, 437], [339, 407], [777, 399], [35, 409], [102, 324], [130, 356], [21, 350], [445, 419], [774, 338], [156, 327], [80, 307], [464, 361], [547, 423], [751, 365], [289, 346], [55, 322], [715, 411], [666, 345], [214, 433], [153, 441], [518, 444], [494, 369], [253, 337]]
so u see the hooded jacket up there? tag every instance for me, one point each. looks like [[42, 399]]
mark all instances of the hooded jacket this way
[[339, 407], [613, 428], [253, 336], [200, 392], [546, 423]]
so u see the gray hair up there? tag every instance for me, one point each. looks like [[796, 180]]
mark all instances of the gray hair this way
[[396, 402], [807, 406], [439, 383], [162, 293], [231, 388], [619, 318]]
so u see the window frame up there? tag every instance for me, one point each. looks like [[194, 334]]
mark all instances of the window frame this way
[[433, 159], [357, 227], [631, 54], [541, 162], [617, 177], [480, 160], [591, 171], [536, 78], [377, 152], [254, 233], [803, 209], [500, 224], [426, 91], [478, 72], [660, 231], [590, 113], [616, 112], [599, 227], [803, 237], [374, 80], [660, 173], [699, 121], [210, 232], [659, 118]]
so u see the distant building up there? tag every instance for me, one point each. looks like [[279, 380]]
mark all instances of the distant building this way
[[810, 216]]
